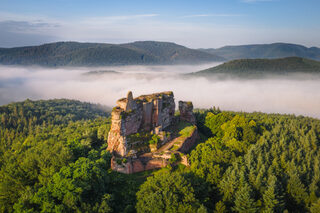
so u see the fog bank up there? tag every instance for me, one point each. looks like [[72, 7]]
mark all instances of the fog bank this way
[[301, 97]]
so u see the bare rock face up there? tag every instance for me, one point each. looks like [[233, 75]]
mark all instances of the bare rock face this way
[[156, 163], [144, 113], [126, 104], [186, 112], [137, 166], [135, 122]]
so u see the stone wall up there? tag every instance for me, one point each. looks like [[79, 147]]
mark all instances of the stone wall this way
[[134, 165]]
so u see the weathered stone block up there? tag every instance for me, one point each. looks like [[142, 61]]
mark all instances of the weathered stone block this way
[[147, 116], [156, 163], [186, 111], [137, 166]]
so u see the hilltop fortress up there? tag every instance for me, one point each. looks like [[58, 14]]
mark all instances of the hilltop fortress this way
[[145, 133]]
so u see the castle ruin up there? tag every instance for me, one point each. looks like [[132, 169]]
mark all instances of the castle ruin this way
[[136, 121]]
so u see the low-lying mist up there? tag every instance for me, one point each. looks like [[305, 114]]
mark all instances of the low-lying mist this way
[[301, 97]]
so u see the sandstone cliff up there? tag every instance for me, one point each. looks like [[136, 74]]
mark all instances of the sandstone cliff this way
[[143, 114], [141, 136]]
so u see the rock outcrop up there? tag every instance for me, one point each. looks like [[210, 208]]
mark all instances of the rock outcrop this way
[[145, 113], [148, 161], [186, 111], [142, 134]]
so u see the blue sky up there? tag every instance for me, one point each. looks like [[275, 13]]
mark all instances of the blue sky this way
[[201, 23]]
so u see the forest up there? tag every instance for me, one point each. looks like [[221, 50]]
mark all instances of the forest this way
[[247, 68], [53, 158], [265, 51], [60, 54]]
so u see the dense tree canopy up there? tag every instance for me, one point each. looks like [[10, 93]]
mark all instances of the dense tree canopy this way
[[102, 54], [261, 162], [167, 192], [53, 158], [58, 163], [248, 68]]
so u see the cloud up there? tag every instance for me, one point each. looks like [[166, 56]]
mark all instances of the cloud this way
[[133, 16], [254, 1], [26, 27], [28, 30], [114, 19], [32, 30], [23, 33], [273, 95], [211, 15]]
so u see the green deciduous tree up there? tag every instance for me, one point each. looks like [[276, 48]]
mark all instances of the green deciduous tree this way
[[167, 192]]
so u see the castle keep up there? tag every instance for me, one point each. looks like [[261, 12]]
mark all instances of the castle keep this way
[[142, 127]]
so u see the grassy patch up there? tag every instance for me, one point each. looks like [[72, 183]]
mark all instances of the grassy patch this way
[[139, 137], [187, 131], [175, 148], [177, 127]]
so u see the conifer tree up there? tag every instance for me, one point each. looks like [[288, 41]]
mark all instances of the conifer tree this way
[[220, 207], [271, 199], [244, 201]]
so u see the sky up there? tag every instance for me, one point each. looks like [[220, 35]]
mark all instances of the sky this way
[[195, 24]]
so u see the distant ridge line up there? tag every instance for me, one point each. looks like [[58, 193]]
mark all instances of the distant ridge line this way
[[265, 51], [102, 54]]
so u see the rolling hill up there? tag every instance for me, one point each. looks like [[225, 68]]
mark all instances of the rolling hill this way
[[256, 67], [275, 50], [100, 54]]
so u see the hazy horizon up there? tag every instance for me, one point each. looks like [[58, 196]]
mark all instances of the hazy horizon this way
[[194, 24], [290, 96], [132, 41]]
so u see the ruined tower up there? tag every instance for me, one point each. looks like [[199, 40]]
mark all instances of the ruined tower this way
[[143, 134]]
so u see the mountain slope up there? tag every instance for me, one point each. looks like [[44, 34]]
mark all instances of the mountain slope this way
[[98, 54], [171, 51], [275, 50], [246, 67]]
